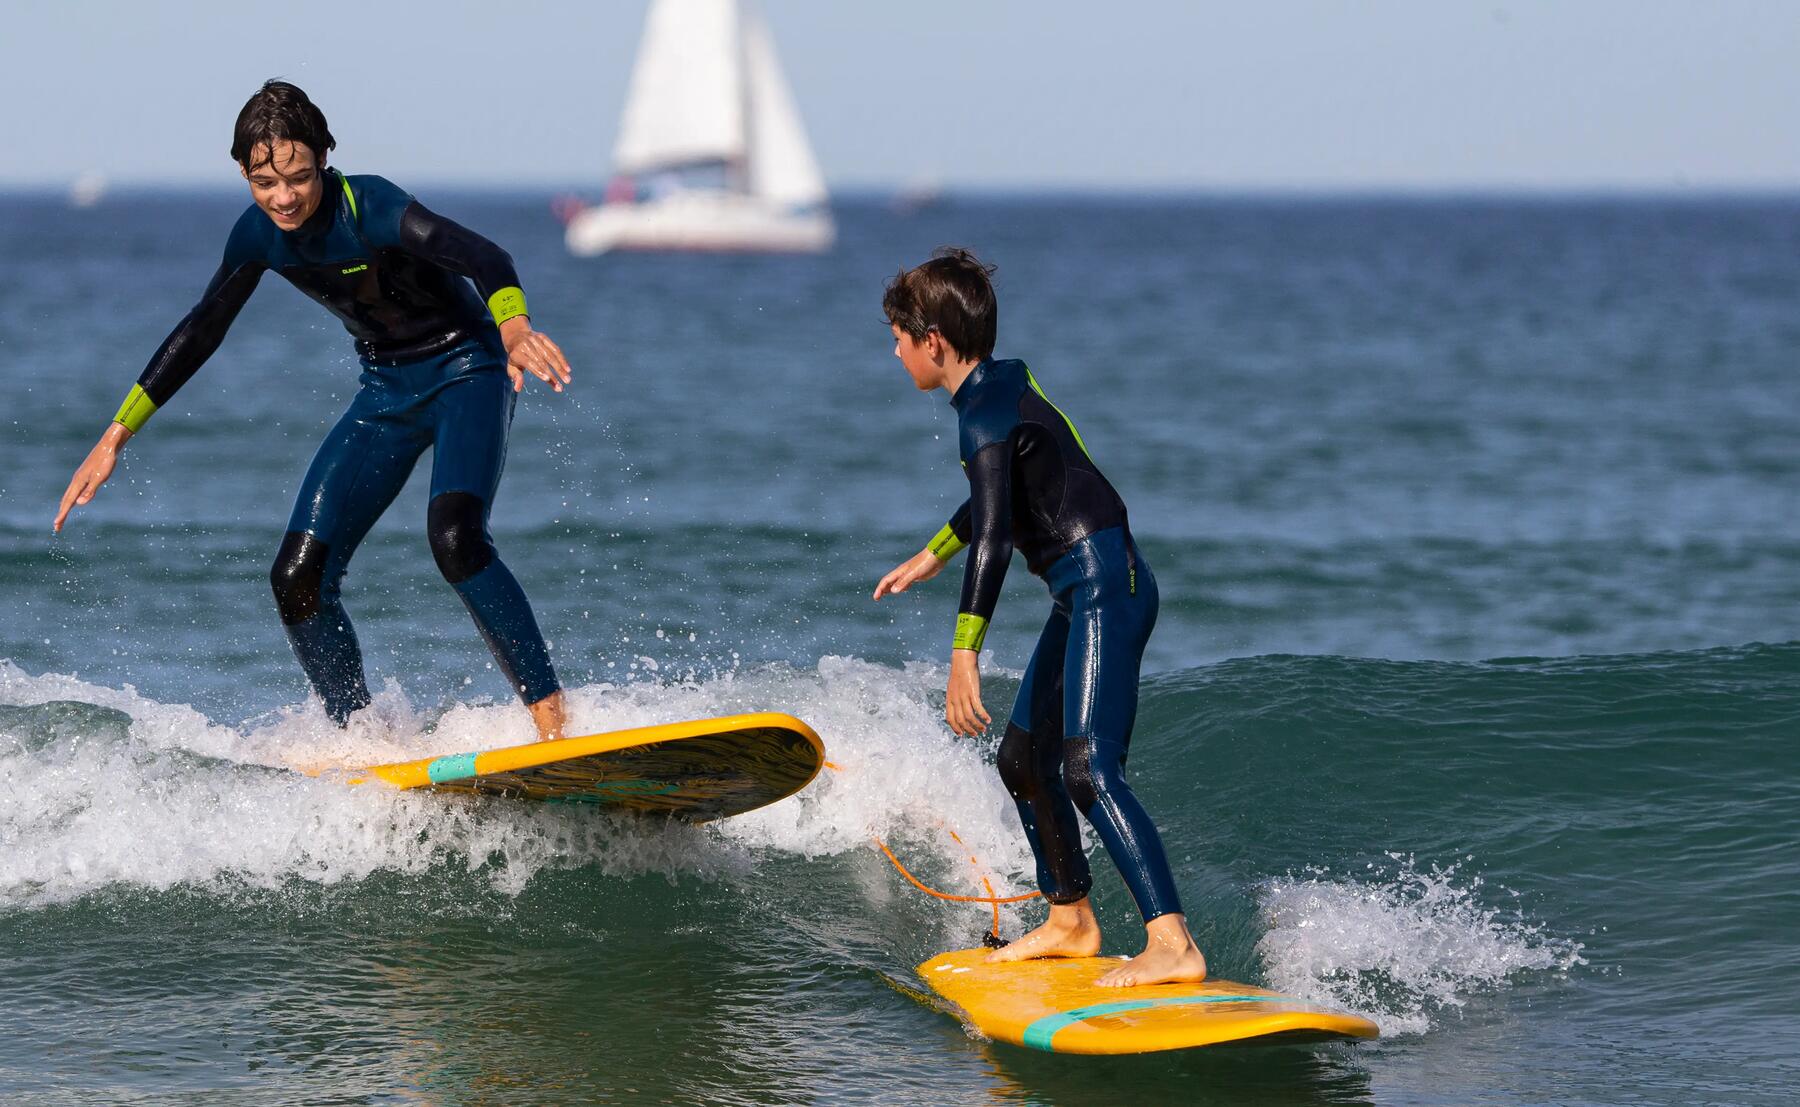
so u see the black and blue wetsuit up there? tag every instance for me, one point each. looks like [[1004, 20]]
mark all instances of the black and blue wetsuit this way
[[434, 374], [1033, 487]]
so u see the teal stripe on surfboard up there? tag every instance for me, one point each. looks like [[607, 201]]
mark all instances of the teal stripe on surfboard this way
[[1040, 1033], [457, 766]]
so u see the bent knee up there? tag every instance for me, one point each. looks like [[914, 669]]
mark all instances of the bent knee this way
[[1090, 773], [457, 527], [298, 576]]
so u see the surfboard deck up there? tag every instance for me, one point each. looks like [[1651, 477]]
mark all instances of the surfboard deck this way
[[1053, 1004], [696, 771]]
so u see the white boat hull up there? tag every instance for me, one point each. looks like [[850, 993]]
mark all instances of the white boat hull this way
[[701, 221]]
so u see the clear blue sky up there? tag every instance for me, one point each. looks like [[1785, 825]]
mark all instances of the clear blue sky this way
[[1309, 94]]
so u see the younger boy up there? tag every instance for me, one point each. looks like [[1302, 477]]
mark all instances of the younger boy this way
[[1033, 485]]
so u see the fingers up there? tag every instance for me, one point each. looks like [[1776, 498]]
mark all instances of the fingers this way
[[553, 356], [967, 717], [517, 375], [543, 359], [964, 721], [78, 493], [971, 719], [525, 360], [897, 580]]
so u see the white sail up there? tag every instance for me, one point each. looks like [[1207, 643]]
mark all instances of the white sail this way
[[782, 166], [707, 88], [686, 99]]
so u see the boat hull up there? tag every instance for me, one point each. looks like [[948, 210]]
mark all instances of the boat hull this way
[[706, 222]]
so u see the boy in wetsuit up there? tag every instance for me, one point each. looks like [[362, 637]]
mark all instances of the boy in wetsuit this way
[[1032, 486], [442, 364]]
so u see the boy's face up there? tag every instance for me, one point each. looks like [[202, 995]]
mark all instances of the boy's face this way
[[288, 185], [919, 358]]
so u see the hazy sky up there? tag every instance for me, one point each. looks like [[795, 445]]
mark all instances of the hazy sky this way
[[1429, 94]]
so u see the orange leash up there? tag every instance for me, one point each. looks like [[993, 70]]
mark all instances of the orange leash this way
[[990, 899]]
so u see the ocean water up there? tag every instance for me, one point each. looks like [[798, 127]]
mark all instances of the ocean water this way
[[1470, 709]]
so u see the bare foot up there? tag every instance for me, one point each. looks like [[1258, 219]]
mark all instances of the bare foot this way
[[1070, 931], [1170, 957], [547, 715]]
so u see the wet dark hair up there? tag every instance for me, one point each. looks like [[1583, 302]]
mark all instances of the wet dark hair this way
[[279, 111], [950, 294]]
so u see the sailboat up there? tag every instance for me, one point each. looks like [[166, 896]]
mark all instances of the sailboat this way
[[711, 152]]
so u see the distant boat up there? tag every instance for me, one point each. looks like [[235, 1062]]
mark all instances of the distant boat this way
[[917, 194], [711, 152], [87, 190]]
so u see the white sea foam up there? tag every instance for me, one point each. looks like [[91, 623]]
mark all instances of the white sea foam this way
[[1398, 944], [172, 798]]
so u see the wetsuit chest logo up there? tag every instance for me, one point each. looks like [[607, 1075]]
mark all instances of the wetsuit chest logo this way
[[354, 269]]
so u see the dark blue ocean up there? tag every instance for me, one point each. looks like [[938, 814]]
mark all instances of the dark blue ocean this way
[[1471, 708]]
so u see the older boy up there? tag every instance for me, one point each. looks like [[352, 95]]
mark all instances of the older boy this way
[[1032, 485], [441, 364]]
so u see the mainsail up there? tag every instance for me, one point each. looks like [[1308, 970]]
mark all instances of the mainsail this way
[[686, 103]]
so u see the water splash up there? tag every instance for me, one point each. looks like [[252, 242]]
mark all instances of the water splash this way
[[1399, 944], [109, 787]]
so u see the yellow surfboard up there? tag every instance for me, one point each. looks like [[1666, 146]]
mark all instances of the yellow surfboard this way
[[1053, 1004], [695, 771]]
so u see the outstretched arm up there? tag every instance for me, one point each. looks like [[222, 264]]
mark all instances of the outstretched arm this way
[[929, 561], [179, 357]]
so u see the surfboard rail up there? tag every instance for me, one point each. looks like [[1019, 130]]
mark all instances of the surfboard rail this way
[[698, 769]]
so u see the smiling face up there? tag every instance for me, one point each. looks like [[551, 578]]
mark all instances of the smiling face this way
[[920, 359], [287, 184]]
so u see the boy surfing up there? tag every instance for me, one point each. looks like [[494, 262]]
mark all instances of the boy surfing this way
[[441, 366], [1033, 487]]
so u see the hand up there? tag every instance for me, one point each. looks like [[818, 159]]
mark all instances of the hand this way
[[962, 699], [93, 472], [529, 351], [921, 566]]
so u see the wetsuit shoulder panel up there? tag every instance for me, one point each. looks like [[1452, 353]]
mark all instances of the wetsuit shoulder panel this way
[[1062, 495], [990, 416], [394, 219], [376, 203]]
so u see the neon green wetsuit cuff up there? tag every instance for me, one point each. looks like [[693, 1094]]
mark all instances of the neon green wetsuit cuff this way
[[508, 303], [946, 544], [136, 410], [970, 630]]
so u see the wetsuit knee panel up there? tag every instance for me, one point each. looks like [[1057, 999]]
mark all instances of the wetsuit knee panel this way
[[1014, 762], [1090, 770], [1078, 773], [298, 576], [458, 531]]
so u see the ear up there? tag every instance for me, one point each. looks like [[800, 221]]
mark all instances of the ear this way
[[936, 346]]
